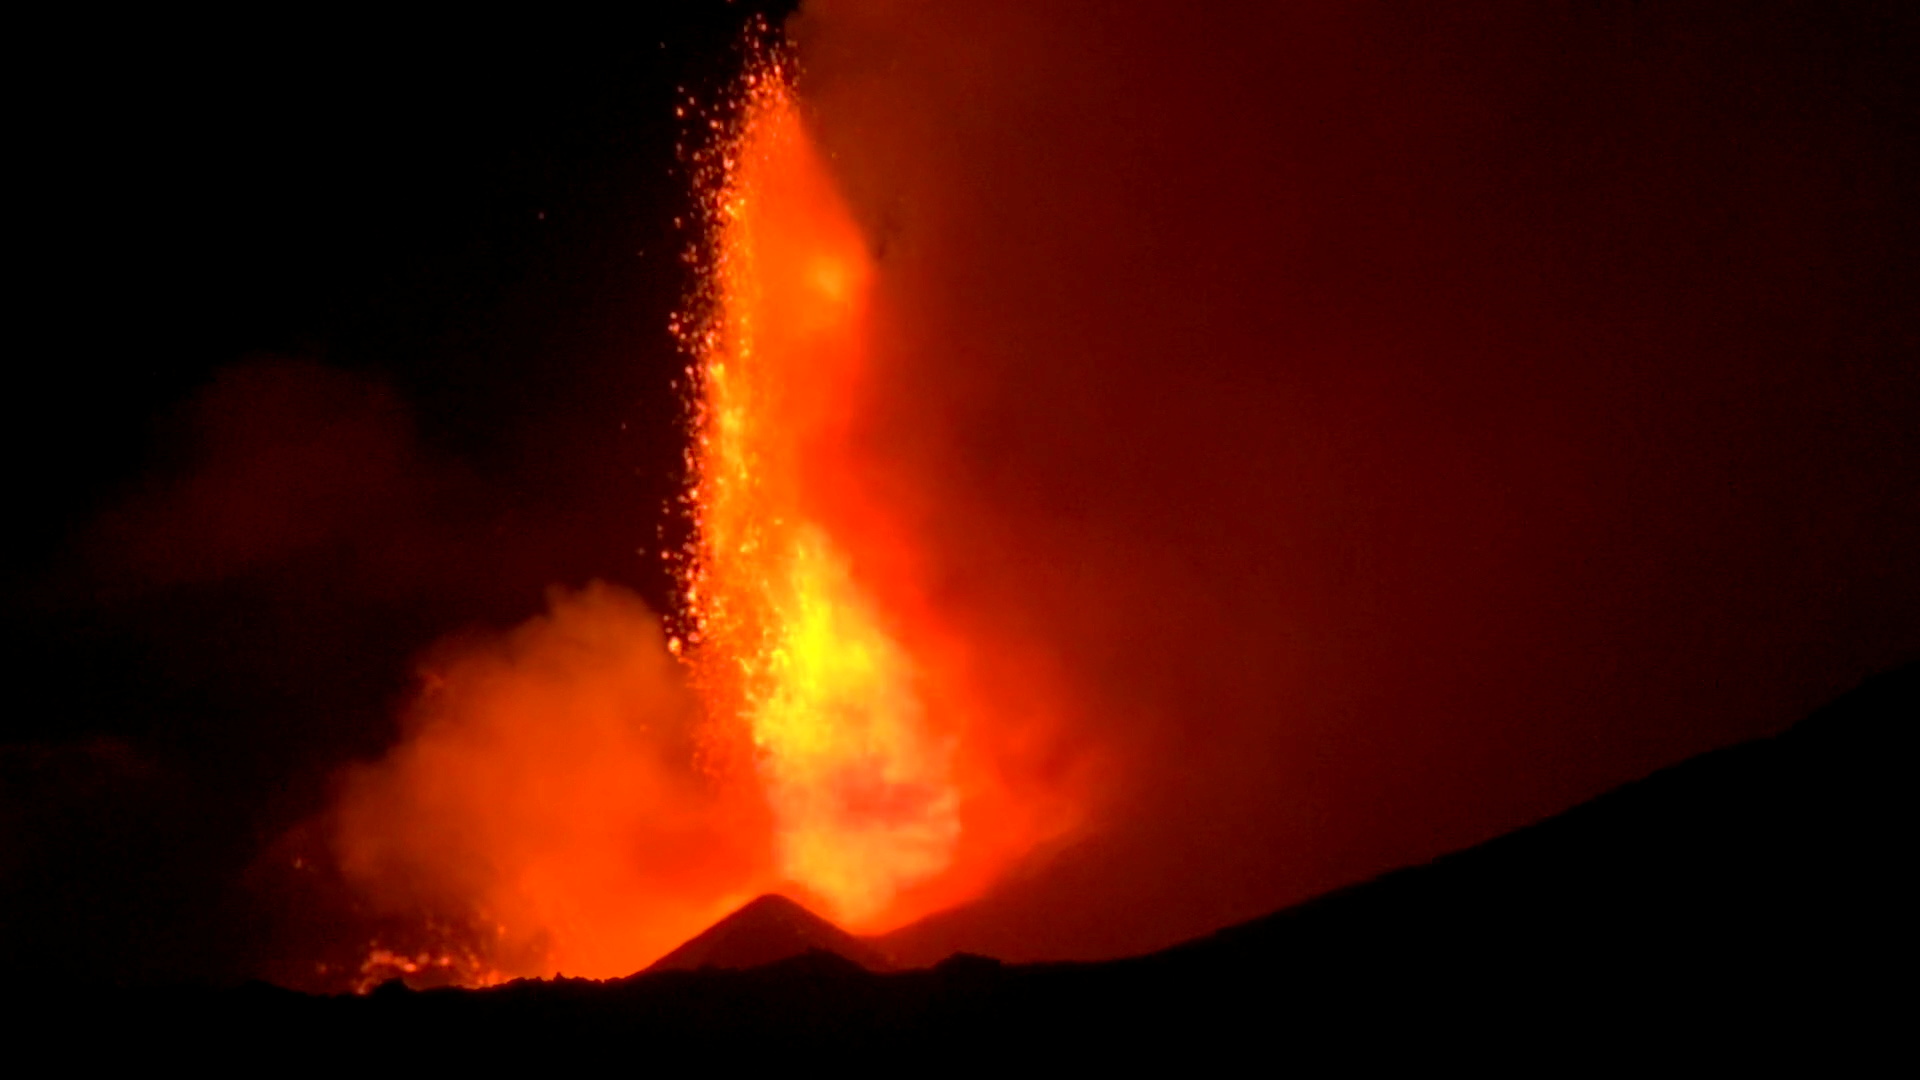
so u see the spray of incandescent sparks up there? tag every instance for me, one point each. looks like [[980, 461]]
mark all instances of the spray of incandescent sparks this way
[[788, 645]]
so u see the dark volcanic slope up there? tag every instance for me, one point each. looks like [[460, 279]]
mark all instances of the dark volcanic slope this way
[[764, 931], [1750, 903], [1771, 878]]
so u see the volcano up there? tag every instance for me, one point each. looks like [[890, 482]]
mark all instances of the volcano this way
[[765, 931]]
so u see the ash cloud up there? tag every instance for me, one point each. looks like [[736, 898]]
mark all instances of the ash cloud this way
[[1392, 425]]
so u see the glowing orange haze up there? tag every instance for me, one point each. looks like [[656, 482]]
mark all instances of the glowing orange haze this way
[[545, 804], [572, 799]]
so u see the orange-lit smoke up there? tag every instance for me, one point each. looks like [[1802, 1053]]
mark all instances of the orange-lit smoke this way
[[587, 793], [549, 798]]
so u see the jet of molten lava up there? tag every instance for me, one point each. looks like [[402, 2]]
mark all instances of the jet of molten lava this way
[[791, 646]]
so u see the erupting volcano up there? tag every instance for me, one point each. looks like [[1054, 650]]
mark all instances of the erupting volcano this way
[[1021, 488], [592, 791]]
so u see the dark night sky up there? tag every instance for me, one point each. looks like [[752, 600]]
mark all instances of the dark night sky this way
[[1542, 410], [332, 338]]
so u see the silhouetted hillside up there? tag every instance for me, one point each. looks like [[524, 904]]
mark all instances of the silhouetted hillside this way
[[1759, 891], [1751, 903]]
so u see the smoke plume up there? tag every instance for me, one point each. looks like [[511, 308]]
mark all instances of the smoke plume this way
[[548, 790], [1390, 425]]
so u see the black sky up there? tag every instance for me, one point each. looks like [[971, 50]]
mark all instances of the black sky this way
[[396, 298]]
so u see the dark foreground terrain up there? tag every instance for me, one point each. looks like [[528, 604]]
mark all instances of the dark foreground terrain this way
[[1749, 904]]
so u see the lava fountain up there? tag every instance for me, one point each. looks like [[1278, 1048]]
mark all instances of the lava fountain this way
[[791, 649]]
